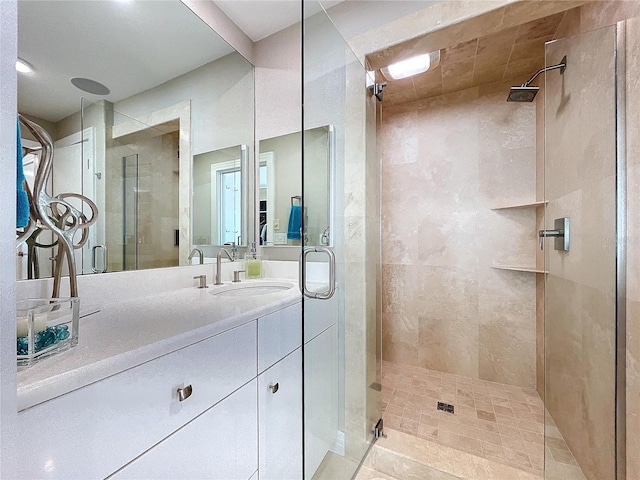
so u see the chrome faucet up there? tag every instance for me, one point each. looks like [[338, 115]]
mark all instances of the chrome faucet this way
[[193, 254], [219, 264]]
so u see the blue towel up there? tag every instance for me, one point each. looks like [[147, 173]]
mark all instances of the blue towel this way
[[22, 201], [295, 223]]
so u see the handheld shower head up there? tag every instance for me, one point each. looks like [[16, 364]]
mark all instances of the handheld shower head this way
[[525, 93]]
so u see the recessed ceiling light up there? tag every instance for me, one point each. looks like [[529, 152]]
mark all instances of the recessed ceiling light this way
[[411, 66], [90, 86], [23, 67]]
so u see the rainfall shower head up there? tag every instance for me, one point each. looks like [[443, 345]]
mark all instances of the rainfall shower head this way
[[525, 93], [522, 94]]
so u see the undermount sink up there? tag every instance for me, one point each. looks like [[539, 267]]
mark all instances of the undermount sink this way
[[249, 288]]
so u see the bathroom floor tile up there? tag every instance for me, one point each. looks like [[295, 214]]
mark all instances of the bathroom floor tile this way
[[502, 423]]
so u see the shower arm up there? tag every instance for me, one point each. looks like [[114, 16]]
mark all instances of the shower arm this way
[[562, 66]]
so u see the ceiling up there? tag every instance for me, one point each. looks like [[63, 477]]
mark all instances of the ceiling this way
[[131, 46], [128, 46], [513, 54], [261, 18]]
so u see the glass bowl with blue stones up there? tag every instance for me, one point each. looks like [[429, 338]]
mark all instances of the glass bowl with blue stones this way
[[45, 326]]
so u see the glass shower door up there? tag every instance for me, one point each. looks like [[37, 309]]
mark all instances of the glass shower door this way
[[342, 357], [580, 287]]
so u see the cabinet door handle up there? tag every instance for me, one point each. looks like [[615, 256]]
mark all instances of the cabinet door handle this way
[[274, 387], [184, 392]]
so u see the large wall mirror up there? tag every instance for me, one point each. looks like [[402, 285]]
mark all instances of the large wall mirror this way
[[220, 192], [284, 218], [177, 112]]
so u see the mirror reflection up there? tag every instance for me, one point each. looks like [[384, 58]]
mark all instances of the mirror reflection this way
[[171, 94], [219, 190], [285, 219]]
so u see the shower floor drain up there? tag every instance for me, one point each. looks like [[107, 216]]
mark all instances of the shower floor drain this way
[[445, 407]]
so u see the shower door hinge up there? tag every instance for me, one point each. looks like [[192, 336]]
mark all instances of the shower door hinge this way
[[378, 430], [376, 88]]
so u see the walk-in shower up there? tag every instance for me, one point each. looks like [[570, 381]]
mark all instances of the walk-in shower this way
[[525, 92]]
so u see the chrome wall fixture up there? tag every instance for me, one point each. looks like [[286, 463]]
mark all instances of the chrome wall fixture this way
[[525, 92], [376, 89], [54, 213], [561, 234]]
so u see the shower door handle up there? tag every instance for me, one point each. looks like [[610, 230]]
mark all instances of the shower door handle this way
[[104, 259], [303, 273]]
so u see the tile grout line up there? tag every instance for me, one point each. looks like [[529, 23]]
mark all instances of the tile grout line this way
[[409, 380]]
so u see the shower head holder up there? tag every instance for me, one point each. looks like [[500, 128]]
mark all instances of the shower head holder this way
[[525, 92], [562, 66]]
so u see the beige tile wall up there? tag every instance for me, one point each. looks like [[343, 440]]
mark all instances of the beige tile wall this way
[[592, 16], [597, 14], [447, 161], [580, 291], [512, 54], [157, 200]]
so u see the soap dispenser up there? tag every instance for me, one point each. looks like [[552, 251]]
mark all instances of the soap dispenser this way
[[253, 263]]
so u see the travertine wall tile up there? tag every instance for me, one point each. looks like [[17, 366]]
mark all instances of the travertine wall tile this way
[[449, 345], [595, 15], [580, 309], [444, 307]]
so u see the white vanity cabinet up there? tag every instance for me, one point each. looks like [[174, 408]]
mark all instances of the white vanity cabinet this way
[[207, 411], [280, 394], [218, 445], [321, 415], [95, 430], [279, 334], [280, 413]]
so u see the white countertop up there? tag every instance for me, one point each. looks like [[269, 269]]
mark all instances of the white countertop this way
[[127, 334]]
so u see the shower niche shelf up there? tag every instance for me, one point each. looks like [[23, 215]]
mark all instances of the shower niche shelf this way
[[521, 205], [519, 269]]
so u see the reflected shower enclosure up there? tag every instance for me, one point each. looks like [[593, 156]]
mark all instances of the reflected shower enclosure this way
[[130, 192], [141, 195]]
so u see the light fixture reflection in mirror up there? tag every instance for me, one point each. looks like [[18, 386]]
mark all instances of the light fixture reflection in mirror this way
[[220, 181]]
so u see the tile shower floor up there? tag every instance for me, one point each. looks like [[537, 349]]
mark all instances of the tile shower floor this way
[[499, 422]]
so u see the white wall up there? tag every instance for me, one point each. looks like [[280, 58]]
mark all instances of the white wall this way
[[8, 96], [213, 16], [221, 94], [278, 85]]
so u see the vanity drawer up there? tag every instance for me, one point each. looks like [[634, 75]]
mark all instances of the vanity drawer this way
[[221, 444], [279, 334], [93, 431]]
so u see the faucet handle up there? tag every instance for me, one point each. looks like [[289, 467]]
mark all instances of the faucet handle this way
[[203, 281], [236, 275]]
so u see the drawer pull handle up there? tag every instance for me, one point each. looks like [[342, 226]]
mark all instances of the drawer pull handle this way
[[274, 387], [184, 393]]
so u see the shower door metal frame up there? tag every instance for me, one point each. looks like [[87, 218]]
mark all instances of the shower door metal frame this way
[[135, 211], [621, 251]]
